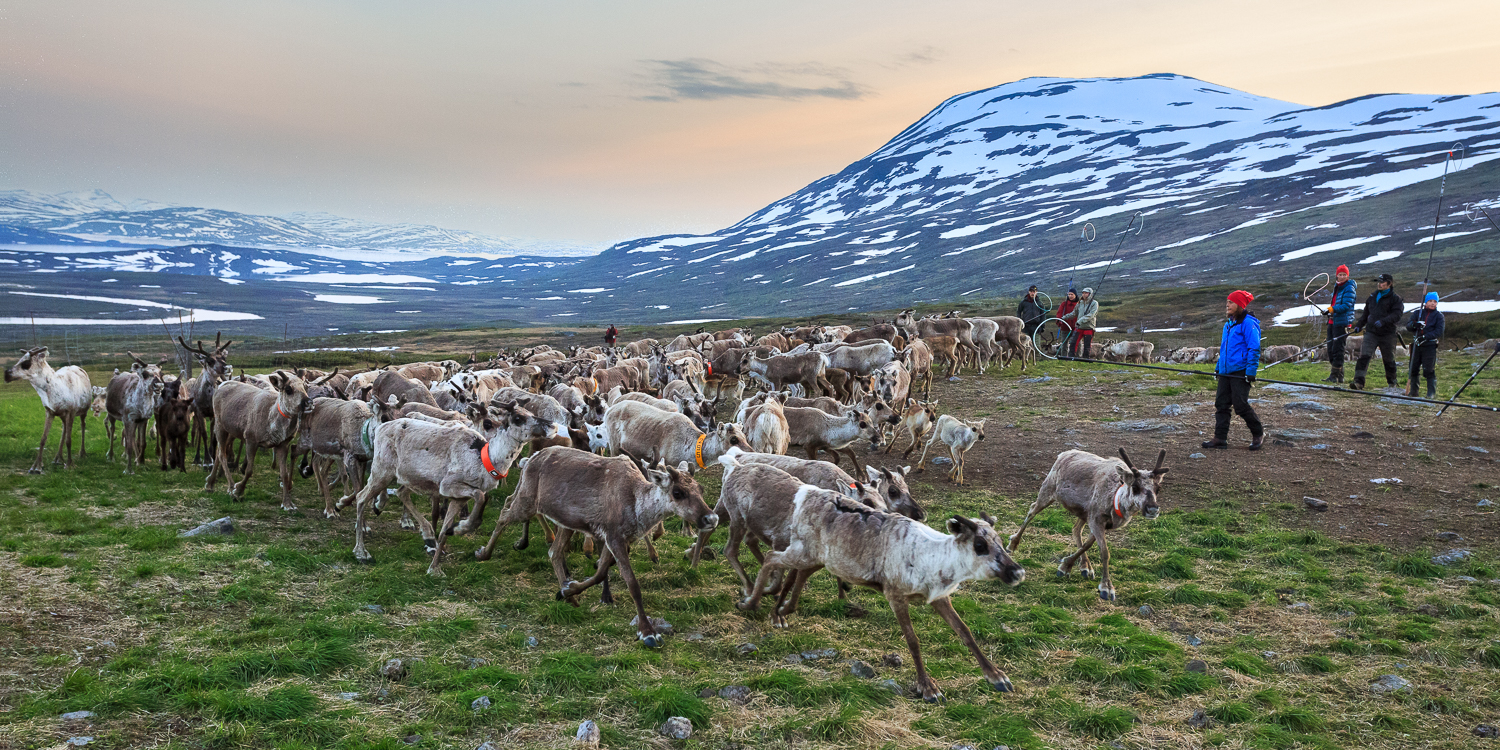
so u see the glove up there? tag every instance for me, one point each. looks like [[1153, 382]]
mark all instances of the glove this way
[[1250, 379], [1356, 329]]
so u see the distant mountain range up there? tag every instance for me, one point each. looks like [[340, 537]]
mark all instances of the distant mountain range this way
[[97, 216], [991, 191]]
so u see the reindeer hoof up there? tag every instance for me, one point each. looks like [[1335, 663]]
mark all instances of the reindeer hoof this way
[[1106, 595], [1062, 573], [778, 620], [744, 605], [34, 470], [362, 557], [429, 546], [407, 522], [1087, 573], [330, 513], [481, 555], [461, 528], [936, 697], [650, 641], [521, 543], [1002, 685]]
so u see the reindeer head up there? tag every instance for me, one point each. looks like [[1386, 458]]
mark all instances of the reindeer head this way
[[730, 436], [514, 418], [31, 366], [291, 393], [976, 537], [1143, 486], [977, 428], [681, 491], [893, 491], [598, 438]]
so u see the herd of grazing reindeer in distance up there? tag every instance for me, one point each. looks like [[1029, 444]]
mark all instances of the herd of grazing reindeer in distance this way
[[616, 436]]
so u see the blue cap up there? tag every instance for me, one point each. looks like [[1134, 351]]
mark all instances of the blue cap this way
[[1431, 297]]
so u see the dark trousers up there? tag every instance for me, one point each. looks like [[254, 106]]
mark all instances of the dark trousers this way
[[1084, 342], [1424, 357], [1336, 341], [1234, 391], [1387, 346]]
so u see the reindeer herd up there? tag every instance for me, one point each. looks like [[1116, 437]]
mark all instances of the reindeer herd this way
[[616, 438]]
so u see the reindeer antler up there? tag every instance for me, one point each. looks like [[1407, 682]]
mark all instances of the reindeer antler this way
[[137, 358], [1126, 456], [1160, 457]]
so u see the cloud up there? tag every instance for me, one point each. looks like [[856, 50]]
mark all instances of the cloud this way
[[698, 78]]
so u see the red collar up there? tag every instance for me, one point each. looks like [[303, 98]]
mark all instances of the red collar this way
[[279, 411], [489, 466]]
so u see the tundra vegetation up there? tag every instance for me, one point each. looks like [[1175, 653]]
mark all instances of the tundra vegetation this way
[[274, 636]]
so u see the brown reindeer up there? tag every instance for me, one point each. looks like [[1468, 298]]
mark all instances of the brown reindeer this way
[[1102, 493], [216, 370], [262, 419], [615, 500]]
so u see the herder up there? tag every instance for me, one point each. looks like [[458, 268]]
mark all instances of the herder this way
[[1378, 321], [1239, 356], [1340, 317], [1426, 325]]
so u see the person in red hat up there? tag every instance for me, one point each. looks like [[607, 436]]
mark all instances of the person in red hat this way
[[1239, 356], [1340, 317]]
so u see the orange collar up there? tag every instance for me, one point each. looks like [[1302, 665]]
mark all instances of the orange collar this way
[[710, 367], [279, 411], [489, 466], [698, 449]]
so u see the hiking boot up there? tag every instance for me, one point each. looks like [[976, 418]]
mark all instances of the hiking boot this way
[[1216, 444], [1335, 376], [1431, 388], [1255, 443], [1358, 384]]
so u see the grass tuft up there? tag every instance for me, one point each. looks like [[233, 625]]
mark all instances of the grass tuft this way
[[655, 705]]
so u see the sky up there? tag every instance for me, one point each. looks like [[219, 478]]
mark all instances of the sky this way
[[595, 122]]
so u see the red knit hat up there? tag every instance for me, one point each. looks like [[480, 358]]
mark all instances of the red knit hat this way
[[1341, 269], [1242, 298]]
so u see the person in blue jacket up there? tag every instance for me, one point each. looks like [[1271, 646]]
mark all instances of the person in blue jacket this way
[[1426, 326], [1239, 356], [1340, 317]]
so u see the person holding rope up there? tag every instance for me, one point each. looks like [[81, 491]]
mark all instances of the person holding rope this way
[[1239, 356], [1378, 322], [1426, 325], [1340, 317], [1084, 317], [1031, 312], [1064, 311]]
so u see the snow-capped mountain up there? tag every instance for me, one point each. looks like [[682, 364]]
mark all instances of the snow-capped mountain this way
[[98, 216], [997, 185], [355, 233]]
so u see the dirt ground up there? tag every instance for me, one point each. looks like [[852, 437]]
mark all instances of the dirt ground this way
[[1332, 455]]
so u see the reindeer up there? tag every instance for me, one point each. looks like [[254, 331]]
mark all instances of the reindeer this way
[[960, 329], [132, 399], [216, 370], [916, 419], [65, 393], [766, 427], [1105, 494], [895, 555], [615, 500], [959, 435], [443, 460], [174, 419], [816, 431], [805, 369], [343, 431], [262, 419]]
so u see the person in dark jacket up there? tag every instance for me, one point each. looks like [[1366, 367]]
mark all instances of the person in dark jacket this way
[[1239, 356], [1378, 322], [1426, 326], [1031, 312], [1340, 317], [611, 334]]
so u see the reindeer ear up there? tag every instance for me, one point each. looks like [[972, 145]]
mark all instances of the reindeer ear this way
[[958, 525], [986, 518], [276, 380], [684, 467], [1127, 476], [872, 472]]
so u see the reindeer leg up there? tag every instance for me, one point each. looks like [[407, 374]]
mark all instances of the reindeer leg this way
[[251, 448], [1044, 498], [558, 554], [732, 554], [644, 629], [787, 605], [83, 434], [476, 514], [1106, 587], [525, 539], [996, 678], [379, 480], [774, 585], [859, 470], [656, 533], [601, 575], [925, 684], [284, 453], [454, 506]]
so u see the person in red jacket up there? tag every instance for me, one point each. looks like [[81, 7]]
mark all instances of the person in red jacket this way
[[1065, 328]]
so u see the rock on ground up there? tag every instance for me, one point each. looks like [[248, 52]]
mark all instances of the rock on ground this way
[[588, 734], [1390, 683], [677, 727]]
